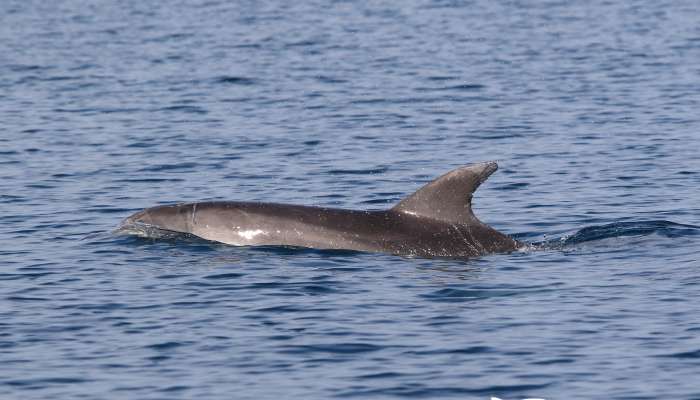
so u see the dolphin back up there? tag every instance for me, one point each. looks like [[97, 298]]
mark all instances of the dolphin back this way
[[435, 221]]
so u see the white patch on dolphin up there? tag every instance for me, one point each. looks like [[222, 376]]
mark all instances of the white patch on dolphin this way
[[251, 233]]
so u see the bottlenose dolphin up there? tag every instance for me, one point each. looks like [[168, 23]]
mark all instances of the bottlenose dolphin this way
[[435, 221]]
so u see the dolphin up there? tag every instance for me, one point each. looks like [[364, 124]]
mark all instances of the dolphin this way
[[435, 221]]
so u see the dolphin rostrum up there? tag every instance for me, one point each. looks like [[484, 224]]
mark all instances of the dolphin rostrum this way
[[435, 221]]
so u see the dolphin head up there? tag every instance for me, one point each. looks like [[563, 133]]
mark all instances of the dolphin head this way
[[177, 218]]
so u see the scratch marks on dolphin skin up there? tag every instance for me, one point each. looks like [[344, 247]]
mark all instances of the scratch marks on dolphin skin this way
[[193, 220], [468, 237]]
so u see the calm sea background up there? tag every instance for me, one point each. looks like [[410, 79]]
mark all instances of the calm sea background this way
[[591, 108]]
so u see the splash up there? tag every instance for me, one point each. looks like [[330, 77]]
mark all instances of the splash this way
[[145, 231]]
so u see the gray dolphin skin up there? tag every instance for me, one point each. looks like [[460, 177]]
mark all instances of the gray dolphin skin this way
[[435, 221]]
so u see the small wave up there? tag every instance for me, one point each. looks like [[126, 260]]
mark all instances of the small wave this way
[[693, 354], [452, 295], [169, 167], [368, 171], [43, 382], [235, 80], [185, 108], [420, 390], [594, 233], [96, 236], [164, 346], [467, 87], [332, 348], [641, 228]]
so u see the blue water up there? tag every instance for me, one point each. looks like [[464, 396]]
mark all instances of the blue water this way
[[591, 109]]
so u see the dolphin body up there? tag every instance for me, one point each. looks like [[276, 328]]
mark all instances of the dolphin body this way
[[435, 221]]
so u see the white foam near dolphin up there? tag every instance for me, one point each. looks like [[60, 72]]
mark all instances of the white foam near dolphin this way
[[435, 221]]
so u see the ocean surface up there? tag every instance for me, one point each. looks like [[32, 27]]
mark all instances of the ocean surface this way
[[592, 110]]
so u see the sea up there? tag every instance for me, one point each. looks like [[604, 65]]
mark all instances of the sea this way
[[591, 109]]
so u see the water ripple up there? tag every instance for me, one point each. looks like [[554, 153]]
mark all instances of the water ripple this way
[[590, 108]]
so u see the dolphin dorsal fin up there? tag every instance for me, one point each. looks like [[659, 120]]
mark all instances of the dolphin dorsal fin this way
[[449, 197]]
